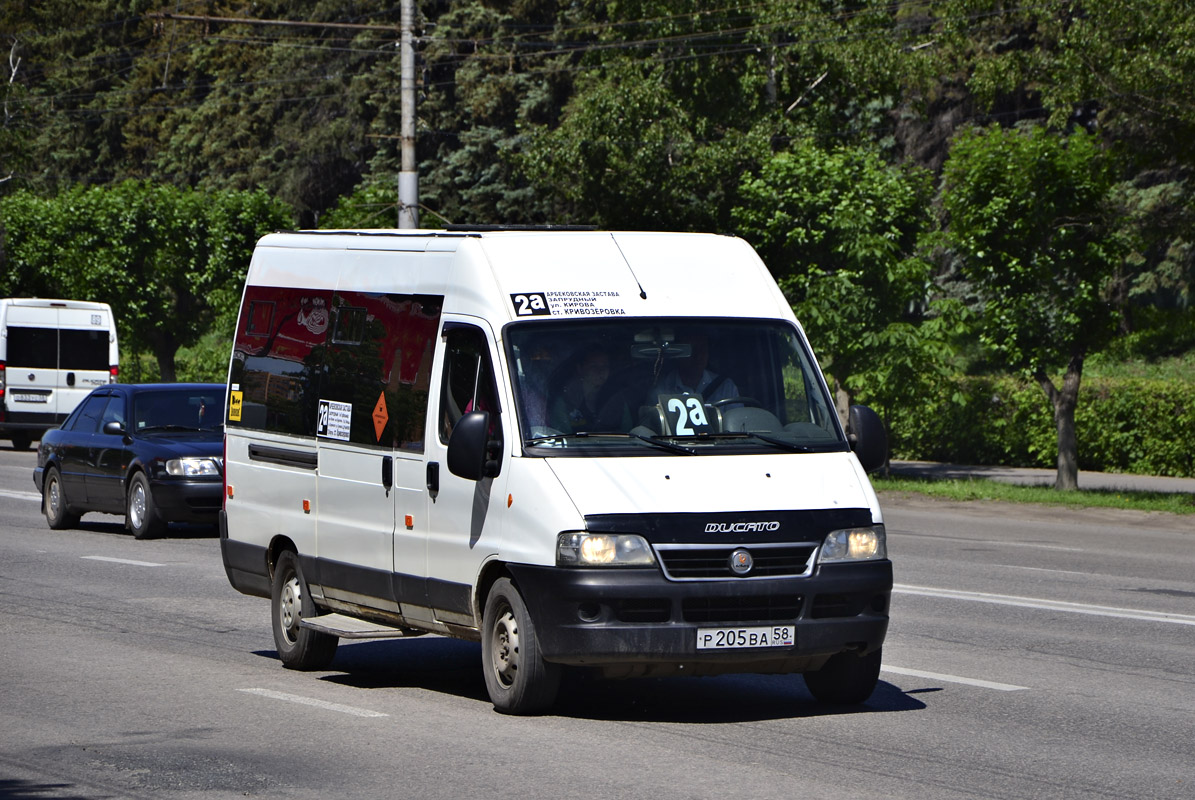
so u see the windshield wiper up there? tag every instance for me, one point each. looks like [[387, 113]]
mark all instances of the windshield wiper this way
[[672, 447], [792, 447], [170, 427]]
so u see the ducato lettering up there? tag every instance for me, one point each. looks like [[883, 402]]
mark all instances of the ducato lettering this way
[[742, 527]]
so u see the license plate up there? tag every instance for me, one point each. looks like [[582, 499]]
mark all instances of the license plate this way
[[736, 638], [22, 397]]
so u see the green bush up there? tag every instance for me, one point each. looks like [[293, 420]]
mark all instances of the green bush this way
[[1132, 425]]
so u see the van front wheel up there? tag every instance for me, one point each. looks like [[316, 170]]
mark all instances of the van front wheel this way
[[846, 679], [519, 681], [290, 602]]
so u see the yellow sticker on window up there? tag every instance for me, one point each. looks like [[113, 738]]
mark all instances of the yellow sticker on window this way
[[235, 403]]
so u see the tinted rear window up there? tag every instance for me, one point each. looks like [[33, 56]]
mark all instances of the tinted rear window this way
[[86, 349], [53, 348], [33, 347]]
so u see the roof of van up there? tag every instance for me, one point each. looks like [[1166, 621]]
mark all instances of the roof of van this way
[[538, 272], [46, 302]]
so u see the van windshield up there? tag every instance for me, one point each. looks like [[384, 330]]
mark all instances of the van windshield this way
[[668, 386]]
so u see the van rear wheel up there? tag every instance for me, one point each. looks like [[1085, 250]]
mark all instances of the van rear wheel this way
[[846, 679], [290, 602], [21, 441], [519, 681]]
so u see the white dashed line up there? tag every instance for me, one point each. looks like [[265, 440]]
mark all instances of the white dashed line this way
[[1046, 605], [123, 561], [311, 701], [945, 678]]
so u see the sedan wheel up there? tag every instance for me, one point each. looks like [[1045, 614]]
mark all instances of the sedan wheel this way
[[58, 514], [140, 516]]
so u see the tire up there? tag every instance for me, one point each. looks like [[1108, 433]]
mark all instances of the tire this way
[[21, 441], [141, 517], [519, 681], [298, 647], [846, 679], [54, 503]]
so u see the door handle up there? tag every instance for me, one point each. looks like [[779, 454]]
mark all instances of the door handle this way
[[70, 379], [433, 478], [387, 473]]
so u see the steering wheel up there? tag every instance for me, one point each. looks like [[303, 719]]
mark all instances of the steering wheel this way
[[742, 401]]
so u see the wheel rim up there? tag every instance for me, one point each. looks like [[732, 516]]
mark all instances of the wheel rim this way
[[289, 607], [53, 497], [504, 647], [137, 505]]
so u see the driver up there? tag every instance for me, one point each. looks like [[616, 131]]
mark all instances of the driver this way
[[692, 376]]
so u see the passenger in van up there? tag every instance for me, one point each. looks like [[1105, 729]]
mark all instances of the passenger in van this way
[[536, 372], [585, 404], [691, 375]]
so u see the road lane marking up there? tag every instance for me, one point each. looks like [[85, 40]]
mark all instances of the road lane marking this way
[[17, 495], [1047, 605], [123, 561], [945, 678], [311, 701], [1057, 571]]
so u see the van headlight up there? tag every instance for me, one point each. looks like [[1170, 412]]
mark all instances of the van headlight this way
[[855, 544], [192, 467], [577, 549]]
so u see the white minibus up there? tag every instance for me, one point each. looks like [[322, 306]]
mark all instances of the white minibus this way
[[583, 449]]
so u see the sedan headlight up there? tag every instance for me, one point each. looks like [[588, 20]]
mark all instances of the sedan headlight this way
[[192, 467], [603, 550], [855, 544]]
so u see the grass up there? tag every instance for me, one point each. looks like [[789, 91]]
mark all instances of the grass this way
[[982, 489]]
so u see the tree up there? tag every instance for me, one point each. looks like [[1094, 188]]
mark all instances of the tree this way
[[169, 261], [839, 229], [1029, 213]]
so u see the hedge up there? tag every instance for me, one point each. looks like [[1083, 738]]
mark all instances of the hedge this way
[[1130, 425]]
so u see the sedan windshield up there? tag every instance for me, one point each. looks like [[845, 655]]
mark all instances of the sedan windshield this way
[[194, 409], [668, 386]]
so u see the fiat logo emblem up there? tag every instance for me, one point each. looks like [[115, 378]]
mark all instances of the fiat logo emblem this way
[[741, 562]]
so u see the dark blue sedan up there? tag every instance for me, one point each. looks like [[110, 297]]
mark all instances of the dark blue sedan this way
[[152, 452]]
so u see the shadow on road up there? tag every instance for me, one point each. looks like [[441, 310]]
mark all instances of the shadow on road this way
[[451, 666]]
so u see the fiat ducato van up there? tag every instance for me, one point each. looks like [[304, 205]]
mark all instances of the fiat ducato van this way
[[607, 451]]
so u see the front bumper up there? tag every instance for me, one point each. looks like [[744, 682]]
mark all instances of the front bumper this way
[[636, 622], [179, 500]]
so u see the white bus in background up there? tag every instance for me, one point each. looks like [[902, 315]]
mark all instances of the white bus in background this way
[[52, 353]]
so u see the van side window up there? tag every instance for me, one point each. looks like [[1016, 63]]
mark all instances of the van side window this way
[[468, 380], [380, 361], [279, 373]]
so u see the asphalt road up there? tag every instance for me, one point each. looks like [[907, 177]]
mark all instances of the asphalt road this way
[[1033, 653]]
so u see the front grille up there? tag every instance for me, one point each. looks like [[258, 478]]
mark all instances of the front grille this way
[[697, 562], [765, 608]]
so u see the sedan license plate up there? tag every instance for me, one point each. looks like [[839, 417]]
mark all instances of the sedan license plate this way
[[735, 638], [25, 397]]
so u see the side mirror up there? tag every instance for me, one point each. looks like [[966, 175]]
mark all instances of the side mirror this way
[[114, 428], [865, 431], [469, 448]]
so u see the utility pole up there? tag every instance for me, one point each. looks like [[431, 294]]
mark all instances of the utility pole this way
[[408, 178]]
